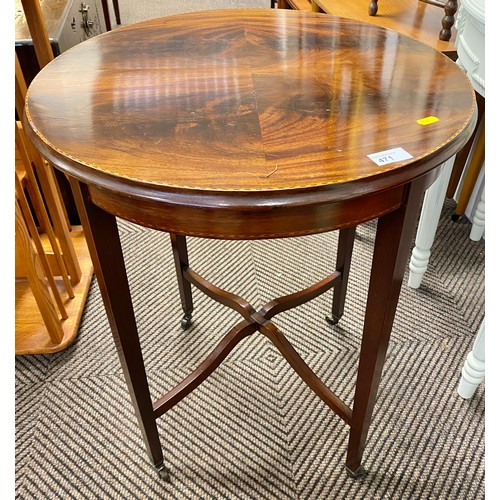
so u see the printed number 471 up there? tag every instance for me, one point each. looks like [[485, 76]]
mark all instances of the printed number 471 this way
[[385, 159]]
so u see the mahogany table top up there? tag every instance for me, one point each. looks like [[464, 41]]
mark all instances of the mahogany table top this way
[[257, 101]]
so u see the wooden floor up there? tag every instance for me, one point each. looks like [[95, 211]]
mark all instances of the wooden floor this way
[[414, 18]]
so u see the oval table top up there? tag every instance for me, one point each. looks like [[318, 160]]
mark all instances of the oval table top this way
[[215, 105]]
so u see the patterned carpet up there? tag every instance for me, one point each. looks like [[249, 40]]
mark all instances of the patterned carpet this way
[[254, 430]]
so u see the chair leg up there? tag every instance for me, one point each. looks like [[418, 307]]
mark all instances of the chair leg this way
[[116, 8], [105, 10], [282, 4], [373, 8], [450, 9], [427, 226], [473, 369], [478, 221]]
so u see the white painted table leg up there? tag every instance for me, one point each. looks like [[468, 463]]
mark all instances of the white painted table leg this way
[[427, 226], [477, 230], [473, 370]]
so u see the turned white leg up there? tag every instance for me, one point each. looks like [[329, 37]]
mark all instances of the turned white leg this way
[[477, 230], [473, 370], [427, 225]]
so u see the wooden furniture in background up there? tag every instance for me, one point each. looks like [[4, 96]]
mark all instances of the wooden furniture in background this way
[[304, 5], [274, 142], [463, 156], [107, 18], [470, 44], [450, 8], [53, 267], [415, 18], [472, 169]]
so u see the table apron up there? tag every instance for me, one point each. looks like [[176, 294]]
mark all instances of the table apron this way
[[241, 223]]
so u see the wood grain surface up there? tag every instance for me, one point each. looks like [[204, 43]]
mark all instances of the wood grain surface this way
[[232, 106]]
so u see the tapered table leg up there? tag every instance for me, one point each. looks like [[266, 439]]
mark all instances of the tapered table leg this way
[[343, 265], [103, 240], [392, 246], [179, 249]]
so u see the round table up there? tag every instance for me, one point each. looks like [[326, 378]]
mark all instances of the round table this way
[[250, 124]]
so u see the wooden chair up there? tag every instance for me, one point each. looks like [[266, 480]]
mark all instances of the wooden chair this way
[[450, 8], [50, 255], [52, 268]]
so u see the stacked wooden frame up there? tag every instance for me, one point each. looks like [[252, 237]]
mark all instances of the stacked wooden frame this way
[[53, 268]]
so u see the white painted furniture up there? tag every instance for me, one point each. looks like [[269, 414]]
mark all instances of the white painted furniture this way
[[473, 369], [427, 225], [470, 41], [471, 56], [470, 45], [478, 221]]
